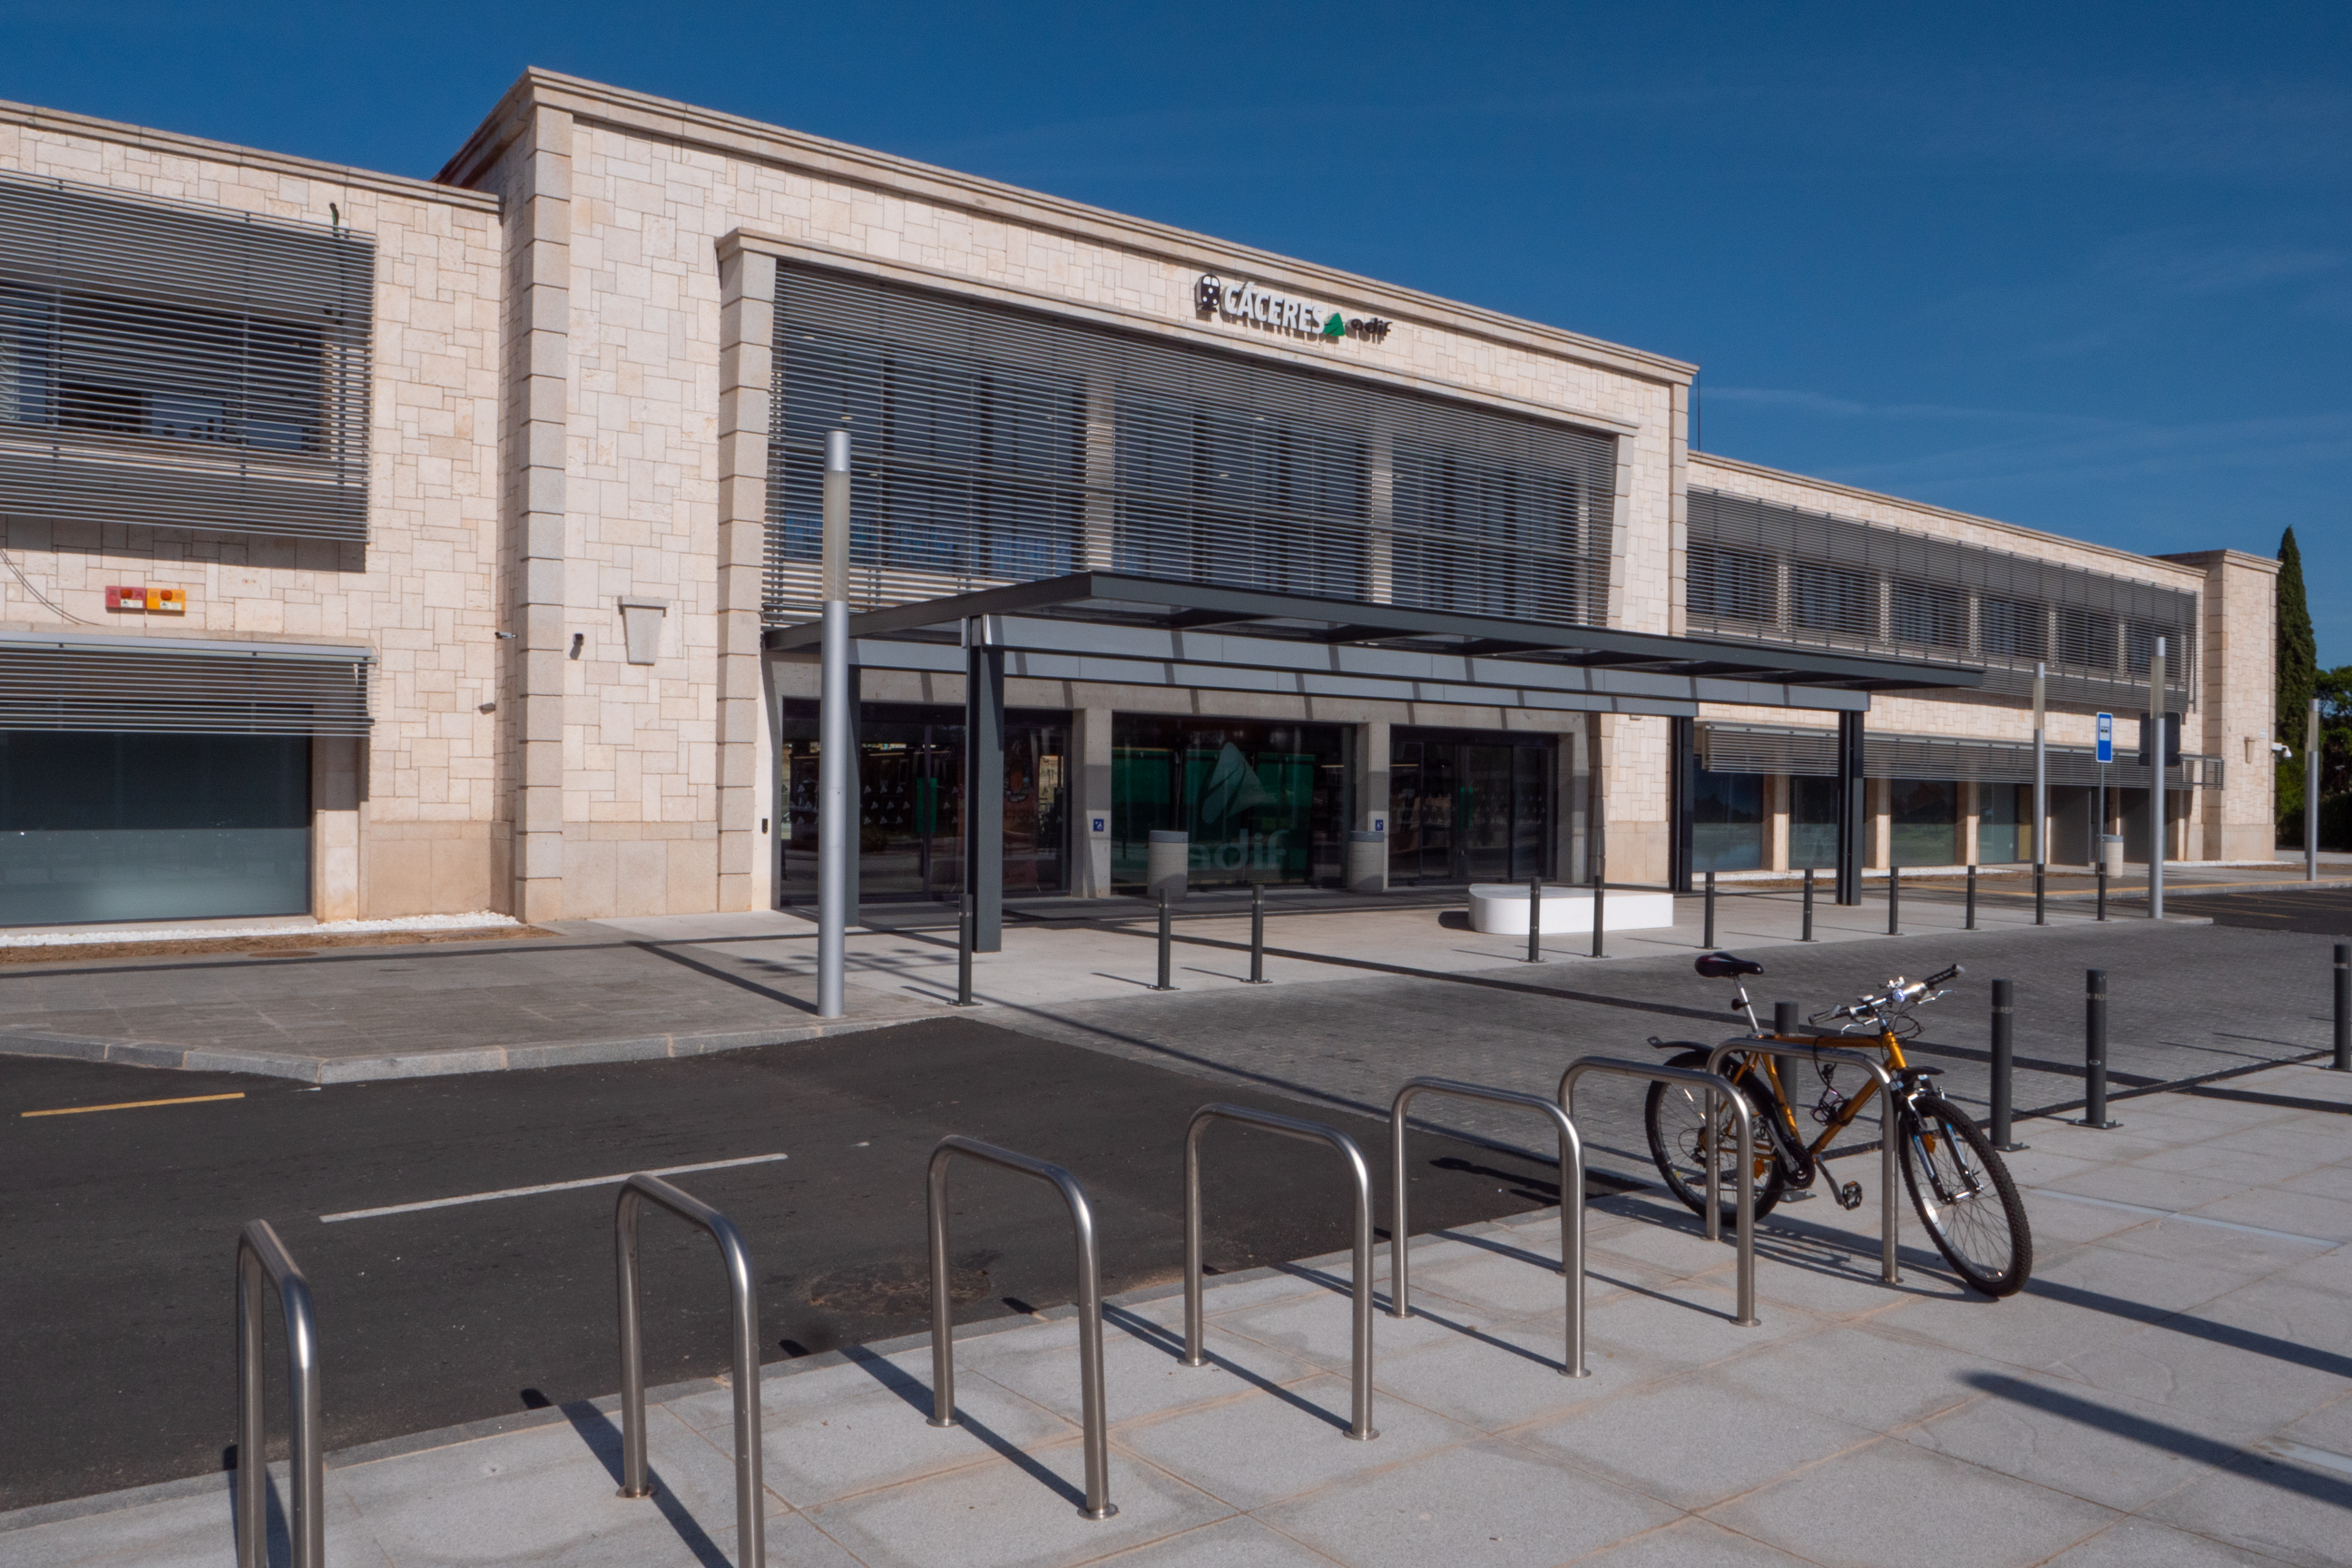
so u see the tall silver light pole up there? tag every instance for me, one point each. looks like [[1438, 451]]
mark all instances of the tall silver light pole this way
[[2310, 793], [2040, 779], [2156, 747], [833, 736]]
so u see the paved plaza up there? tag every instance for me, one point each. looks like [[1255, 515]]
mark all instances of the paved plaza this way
[[2174, 1387]]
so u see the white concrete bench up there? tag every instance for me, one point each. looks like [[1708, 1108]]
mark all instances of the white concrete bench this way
[[1500, 909]]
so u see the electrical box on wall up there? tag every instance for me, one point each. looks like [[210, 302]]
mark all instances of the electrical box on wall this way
[[162, 601]]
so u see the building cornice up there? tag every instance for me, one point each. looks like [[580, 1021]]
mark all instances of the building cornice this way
[[785, 248], [2244, 560], [1699, 461], [735, 136], [61, 123]]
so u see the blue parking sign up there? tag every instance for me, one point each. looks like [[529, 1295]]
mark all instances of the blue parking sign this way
[[2107, 739]]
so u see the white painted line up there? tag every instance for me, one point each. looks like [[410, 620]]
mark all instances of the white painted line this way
[[2304, 1454], [2175, 1213], [546, 1188]]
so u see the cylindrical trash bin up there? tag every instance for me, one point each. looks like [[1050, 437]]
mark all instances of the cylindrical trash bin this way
[[2111, 850], [1368, 862], [1170, 855]]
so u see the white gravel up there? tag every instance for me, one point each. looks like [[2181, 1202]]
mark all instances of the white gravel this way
[[486, 920]]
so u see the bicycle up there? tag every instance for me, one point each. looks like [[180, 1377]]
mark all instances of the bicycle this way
[[1958, 1181]]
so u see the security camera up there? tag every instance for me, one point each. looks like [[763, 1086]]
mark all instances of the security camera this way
[[2286, 753]]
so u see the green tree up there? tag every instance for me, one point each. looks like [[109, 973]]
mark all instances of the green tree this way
[[2295, 673]]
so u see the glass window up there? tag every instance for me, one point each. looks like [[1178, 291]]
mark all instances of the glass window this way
[[2086, 637], [1812, 823], [1923, 826], [98, 827], [1730, 585], [1726, 821], [1934, 613], [2004, 823], [1262, 802], [2011, 628], [1833, 599]]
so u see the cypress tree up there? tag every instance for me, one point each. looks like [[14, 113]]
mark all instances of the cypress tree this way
[[2294, 674]]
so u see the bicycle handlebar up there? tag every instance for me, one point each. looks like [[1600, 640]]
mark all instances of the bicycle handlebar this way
[[1898, 993]]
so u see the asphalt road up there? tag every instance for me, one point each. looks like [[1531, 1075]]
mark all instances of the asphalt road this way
[[2317, 911], [120, 1225]]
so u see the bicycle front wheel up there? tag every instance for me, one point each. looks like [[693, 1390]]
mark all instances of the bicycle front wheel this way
[[1965, 1197], [1675, 1117]]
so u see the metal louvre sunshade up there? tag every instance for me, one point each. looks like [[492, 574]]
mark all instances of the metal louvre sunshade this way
[[1812, 753], [994, 444], [182, 687], [182, 367], [1107, 599]]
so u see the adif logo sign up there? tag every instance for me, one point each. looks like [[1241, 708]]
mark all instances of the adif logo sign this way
[[1243, 301]]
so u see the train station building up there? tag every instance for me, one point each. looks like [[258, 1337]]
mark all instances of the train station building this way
[[378, 546]]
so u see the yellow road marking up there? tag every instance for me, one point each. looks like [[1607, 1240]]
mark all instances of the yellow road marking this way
[[135, 1104]]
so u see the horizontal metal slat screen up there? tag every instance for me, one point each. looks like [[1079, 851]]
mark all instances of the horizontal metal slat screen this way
[[1812, 753], [994, 445], [1783, 575], [180, 367], [171, 690]]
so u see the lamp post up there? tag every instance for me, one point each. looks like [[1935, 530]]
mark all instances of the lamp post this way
[[833, 737]]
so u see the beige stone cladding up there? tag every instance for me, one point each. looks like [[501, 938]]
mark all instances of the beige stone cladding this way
[[2234, 679], [404, 820], [656, 195]]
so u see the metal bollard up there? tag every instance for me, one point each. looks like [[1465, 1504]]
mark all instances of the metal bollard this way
[[1709, 941], [1784, 1020], [1257, 935], [2004, 1049], [1809, 906], [1600, 891], [1166, 937], [1535, 919], [2343, 1062], [2094, 1050], [2102, 887], [2040, 916], [964, 924], [1894, 900], [1972, 899]]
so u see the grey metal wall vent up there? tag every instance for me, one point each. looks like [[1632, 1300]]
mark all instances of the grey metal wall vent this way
[[1812, 753], [182, 686]]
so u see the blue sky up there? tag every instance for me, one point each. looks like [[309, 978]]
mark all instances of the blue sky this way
[[2085, 268]]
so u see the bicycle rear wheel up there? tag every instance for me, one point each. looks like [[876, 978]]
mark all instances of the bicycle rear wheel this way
[[1675, 1118], [1965, 1197]]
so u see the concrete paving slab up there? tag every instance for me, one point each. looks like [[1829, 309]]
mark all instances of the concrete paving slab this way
[[1844, 1512], [1489, 1503], [2142, 1543], [1143, 1374], [1237, 1543], [1493, 1379], [1268, 1447], [2228, 1388], [2109, 1448], [2291, 1512], [1691, 1540]]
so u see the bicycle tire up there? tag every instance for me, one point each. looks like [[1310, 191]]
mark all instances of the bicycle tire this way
[[1990, 1244], [1673, 1114]]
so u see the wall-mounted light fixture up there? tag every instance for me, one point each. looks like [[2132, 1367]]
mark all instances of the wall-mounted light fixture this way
[[579, 641]]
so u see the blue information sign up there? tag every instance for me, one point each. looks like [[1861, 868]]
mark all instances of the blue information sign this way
[[2107, 739]]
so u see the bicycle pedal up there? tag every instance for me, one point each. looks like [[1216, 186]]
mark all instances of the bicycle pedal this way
[[1849, 1197]]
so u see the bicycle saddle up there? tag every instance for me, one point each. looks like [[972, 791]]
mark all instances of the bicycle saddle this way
[[1723, 966]]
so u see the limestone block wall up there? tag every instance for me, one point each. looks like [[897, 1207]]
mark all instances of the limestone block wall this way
[[405, 819]]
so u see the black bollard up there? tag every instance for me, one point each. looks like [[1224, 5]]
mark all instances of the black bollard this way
[[2094, 1050], [1258, 934], [2102, 887], [2343, 1062], [1708, 942], [965, 923], [2004, 1057], [1600, 892], [1535, 919], [1809, 906], [1972, 898], [1894, 900], [1166, 937], [1784, 1020], [2040, 916]]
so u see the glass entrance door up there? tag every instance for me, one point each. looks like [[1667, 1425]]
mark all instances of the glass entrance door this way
[[1467, 809]]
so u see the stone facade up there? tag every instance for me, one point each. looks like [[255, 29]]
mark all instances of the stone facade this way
[[569, 413]]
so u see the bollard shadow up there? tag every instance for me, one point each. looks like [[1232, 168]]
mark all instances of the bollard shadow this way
[[603, 1438], [1160, 1337], [918, 1395], [276, 1531]]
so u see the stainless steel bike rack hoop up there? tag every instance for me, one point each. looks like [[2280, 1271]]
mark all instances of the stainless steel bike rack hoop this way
[[1890, 1268], [1090, 1354], [750, 1536], [1743, 1189], [259, 1252], [1572, 1201], [1360, 1425]]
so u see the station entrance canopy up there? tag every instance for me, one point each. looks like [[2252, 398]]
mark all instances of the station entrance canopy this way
[[1102, 626]]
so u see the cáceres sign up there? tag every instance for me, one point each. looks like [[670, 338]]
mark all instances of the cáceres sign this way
[[1234, 300]]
